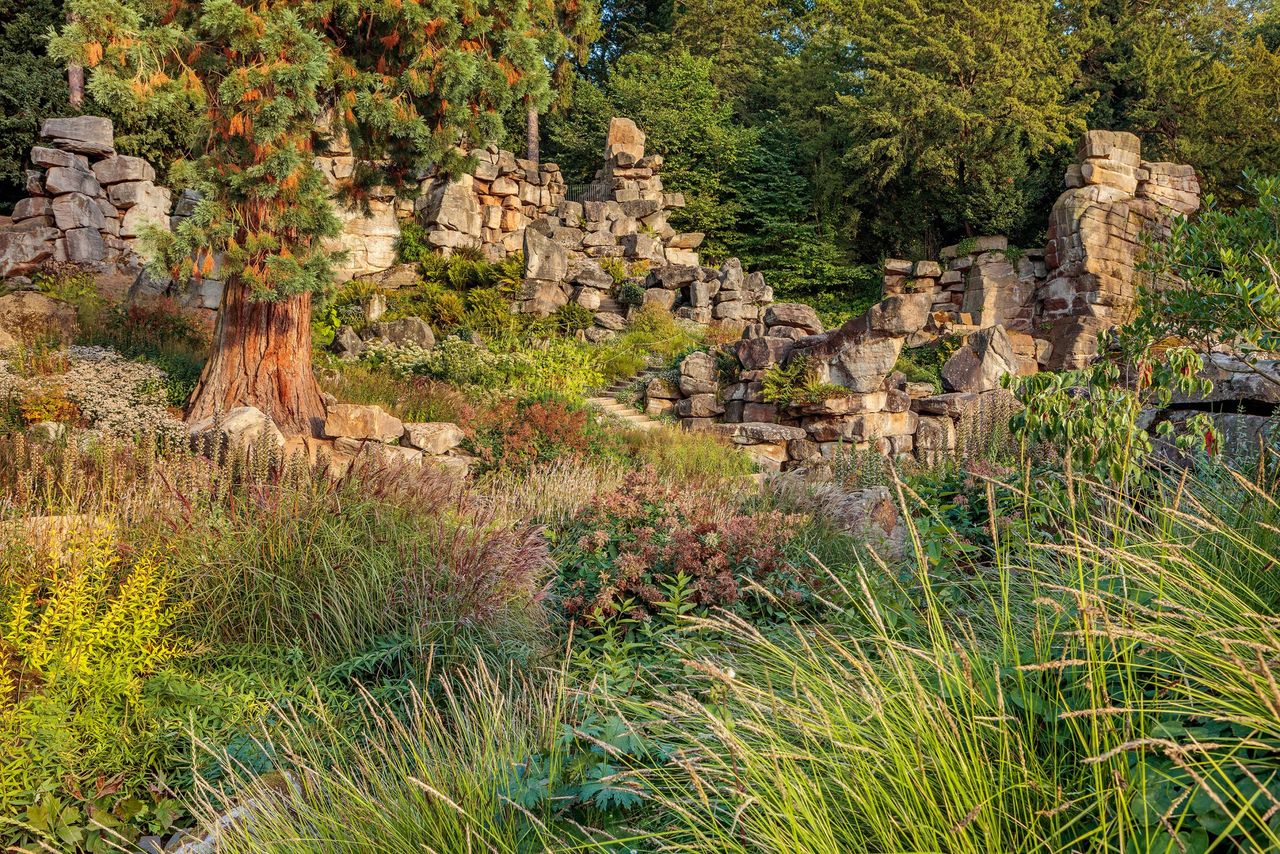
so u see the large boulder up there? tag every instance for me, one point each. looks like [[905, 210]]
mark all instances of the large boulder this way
[[122, 167], [433, 437], [22, 251], [405, 330], [61, 179], [701, 367], [354, 421], [452, 205], [241, 427], [76, 210], [793, 314], [81, 134], [544, 259], [346, 343], [624, 138], [981, 363], [757, 354], [85, 245], [903, 314]]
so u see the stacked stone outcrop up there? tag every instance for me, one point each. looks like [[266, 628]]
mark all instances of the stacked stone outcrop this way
[[624, 217], [853, 399], [1114, 202], [491, 207], [86, 204]]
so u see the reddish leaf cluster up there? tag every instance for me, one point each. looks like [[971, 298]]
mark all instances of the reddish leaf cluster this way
[[632, 544]]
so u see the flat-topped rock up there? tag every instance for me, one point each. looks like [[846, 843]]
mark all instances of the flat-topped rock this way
[[355, 421], [82, 134]]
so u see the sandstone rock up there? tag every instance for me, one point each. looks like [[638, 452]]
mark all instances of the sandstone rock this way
[[50, 157], [757, 354], [84, 245], [32, 207], [354, 421], [902, 314], [129, 193], [122, 167], [435, 438], [660, 389], [347, 343], [660, 297], [399, 276], [543, 298], [22, 251], [656, 406], [699, 406], [982, 361], [393, 456], [610, 321], [451, 205], [242, 427], [624, 138], [61, 179], [405, 330], [700, 366], [759, 412], [544, 259], [82, 134], [152, 210], [643, 247], [589, 274], [690, 386], [952, 404], [793, 314], [687, 240], [76, 210]]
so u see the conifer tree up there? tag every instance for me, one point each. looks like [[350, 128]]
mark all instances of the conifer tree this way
[[407, 82], [956, 96]]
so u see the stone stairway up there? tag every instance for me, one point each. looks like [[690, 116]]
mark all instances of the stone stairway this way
[[607, 401], [609, 305]]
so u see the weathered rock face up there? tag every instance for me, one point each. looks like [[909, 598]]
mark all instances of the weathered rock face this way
[[433, 437], [81, 134], [979, 365], [241, 427], [1096, 231], [490, 208], [88, 205], [352, 421]]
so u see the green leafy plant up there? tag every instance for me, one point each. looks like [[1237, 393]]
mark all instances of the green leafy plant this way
[[796, 383], [1094, 417], [572, 318], [630, 293]]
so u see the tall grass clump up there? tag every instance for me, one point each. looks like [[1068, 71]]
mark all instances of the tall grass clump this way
[[470, 771], [1113, 689]]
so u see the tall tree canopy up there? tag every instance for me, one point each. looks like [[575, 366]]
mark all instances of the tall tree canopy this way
[[407, 81]]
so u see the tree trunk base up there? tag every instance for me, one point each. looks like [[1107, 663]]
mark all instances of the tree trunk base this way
[[262, 357]]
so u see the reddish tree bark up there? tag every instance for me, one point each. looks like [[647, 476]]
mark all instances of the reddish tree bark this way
[[533, 144], [75, 77], [262, 357]]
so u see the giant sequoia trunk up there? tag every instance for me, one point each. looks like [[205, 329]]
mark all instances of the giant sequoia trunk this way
[[262, 357]]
